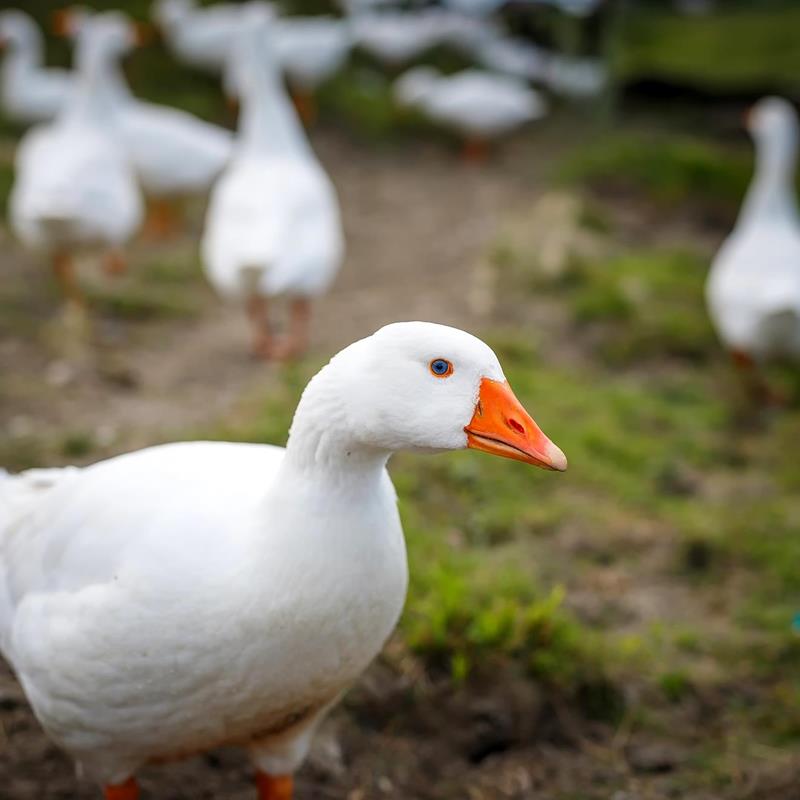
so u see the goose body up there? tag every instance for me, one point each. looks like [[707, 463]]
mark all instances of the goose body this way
[[473, 102], [199, 594], [74, 187], [173, 152], [397, 37], [167, 588], [197, 36], [29, 92], [272, 225], [753, 289]]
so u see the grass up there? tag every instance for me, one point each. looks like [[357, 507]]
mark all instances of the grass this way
[[739, 47], [163, 288], [670, 170]]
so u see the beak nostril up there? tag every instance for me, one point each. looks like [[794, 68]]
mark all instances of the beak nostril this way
[[512, 423]]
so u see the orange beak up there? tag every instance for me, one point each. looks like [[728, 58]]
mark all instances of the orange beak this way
[[501, 426], [62, 22]]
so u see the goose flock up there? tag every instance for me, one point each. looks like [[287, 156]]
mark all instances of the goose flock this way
[[231, 593], [100, 166]]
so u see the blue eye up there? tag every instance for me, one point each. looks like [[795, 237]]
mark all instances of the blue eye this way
[[441, 368]]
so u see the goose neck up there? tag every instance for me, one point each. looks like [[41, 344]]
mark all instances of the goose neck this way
[[269, 123], [771, 195], [323, 444], [95, 97]]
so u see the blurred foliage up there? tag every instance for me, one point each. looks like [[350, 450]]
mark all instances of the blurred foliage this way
[[154, 289], [669, 169], [738, 47], [636, 307]]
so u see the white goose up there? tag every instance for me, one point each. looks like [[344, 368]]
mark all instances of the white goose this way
[[198, 594], [272, 226], [198, 36], [479, 105], [74, 187], [175, 154], [310, 50], [397, 37], [753, 289], [29, 92]]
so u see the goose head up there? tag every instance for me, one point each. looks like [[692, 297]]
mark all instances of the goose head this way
[[421, 387], [106, 36], [18, 31], [773, 124]]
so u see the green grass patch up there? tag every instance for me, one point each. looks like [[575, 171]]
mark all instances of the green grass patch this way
[[158, 289], [736, 48], [669, 170]]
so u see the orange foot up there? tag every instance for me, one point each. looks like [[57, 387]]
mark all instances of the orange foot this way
[[274, 788], [123, 791], [287, 348], [115, 264], [475, 151], [161, 222]]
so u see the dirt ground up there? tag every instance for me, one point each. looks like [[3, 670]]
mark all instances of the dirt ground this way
[[398, 267], [400, 733]]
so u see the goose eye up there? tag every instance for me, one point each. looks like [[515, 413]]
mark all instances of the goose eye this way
[[441, 368]]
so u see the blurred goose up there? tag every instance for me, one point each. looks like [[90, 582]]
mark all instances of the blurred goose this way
[[398, 37], [175, 154], [272, 226], [310, 50], [513, 56], [198, 594], [29, 91], [479, 105], [753, 289], [576, 77], [198, 36], [74, 187]]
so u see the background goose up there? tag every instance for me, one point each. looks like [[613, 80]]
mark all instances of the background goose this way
[[753, 288], [479, 105], [198, 36], [272, 226], [232, 592], [310, 50], [30, 92], [74, 187], [175, 154]]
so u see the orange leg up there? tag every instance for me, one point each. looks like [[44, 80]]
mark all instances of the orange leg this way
[[306, 107], [123, 791], [162, 220], [64, 270], [295, 342], [274, 788], [758, 388], [475, 150], [258, 312], [114, 263]]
